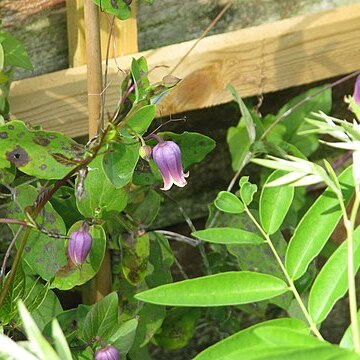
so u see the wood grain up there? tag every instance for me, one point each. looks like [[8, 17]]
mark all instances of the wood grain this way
[[124, 40], [265, 58]]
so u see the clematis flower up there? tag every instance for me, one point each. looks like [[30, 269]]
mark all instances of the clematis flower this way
[[79, 246], [356, 94], [167, 156], [107, 353]]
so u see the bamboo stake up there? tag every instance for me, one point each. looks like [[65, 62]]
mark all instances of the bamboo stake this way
[[100, 286]]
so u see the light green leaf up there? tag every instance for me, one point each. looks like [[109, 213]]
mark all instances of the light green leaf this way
[[246, 339], [331, 284], [228, 235], [38, 344], [347, 340], [228, 202], [61, 345], [229, 288], [117, 8], [141, 119], [316, 227], [274, 203]]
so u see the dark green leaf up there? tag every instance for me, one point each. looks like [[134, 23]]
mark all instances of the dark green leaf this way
[[178, 328], [124, 336], [239, 145], [135, 257]]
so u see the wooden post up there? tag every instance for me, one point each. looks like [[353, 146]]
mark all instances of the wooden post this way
[[100, 286]]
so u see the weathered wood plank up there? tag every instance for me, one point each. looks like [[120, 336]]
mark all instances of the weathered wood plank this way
[[265, 58], [124, 40]]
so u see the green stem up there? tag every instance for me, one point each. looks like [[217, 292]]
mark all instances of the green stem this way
[[291, 284], [349, 226]]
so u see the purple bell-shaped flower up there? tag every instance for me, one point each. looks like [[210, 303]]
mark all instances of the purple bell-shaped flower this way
[[107, 353], [356, 94], [167, 156], [79, 246]]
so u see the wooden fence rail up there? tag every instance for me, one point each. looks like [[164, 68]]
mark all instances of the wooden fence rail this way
[[260, 59]]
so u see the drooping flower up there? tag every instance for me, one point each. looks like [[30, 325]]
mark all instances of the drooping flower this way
[[79, 246], [107, 353], [356, 94], [167, 156]]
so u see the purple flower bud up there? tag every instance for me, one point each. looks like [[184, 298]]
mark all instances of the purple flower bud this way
[[107, 353], [79, 246], [167, 156], [356, 94]]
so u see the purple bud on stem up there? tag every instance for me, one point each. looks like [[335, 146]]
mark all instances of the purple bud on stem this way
[[79, 246], [167, 156], [107, 353]]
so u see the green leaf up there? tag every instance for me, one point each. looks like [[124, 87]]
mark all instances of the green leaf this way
[[239, 145], [246, 116], [178, 328], [117, 8], [146, 208], [331, 283], [150, 319], [246, 339], [14, 51], [229, 203], [7, 175], [135, 255], [124, 336], [141, 119], [247, 190], [229, 288], [316, 227], [100, 195], [194, 146], [160, 260], [274, 203], [1, 57], [295, 119], [61, 345], [70, 275], [42, 154], [15, 293], [38, 343], [139, 72], [119, 163], [102, 318], [44, 254], [347, 340], [228, 235]]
